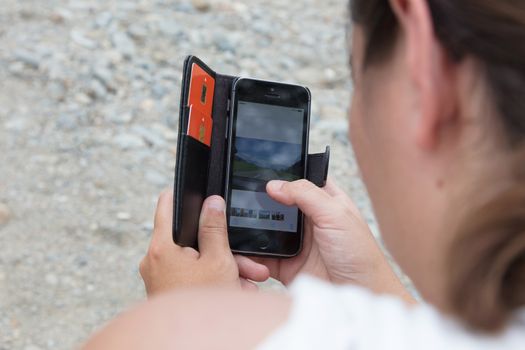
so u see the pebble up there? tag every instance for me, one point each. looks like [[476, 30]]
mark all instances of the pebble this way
[[156, 178], [331, 112], [224, 43], [105, 76], [201, 5], [118, 117], [151, 137], [124, 44], [30, 59], [169, 27], [309, 76], [5, 214], [57, 90], [16, 125], [82, 40], [147, 226], [32, 347], [129, 141], [332, 125], [17, 69], [104, 19], [137, 31], [51, 279], [123, 216], [68, 121], [96, 90], [61, 15]]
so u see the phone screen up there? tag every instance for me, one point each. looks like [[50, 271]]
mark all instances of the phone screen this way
[[268, 145]]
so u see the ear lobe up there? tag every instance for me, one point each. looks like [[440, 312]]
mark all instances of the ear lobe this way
[[429, 71]]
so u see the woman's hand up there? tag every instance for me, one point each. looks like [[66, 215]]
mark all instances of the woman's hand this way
[[338, 245], [167, 266]]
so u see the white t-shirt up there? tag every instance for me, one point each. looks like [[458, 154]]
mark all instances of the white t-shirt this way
[[324, 316]]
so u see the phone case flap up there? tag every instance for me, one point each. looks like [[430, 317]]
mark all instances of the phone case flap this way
[[318, 165]]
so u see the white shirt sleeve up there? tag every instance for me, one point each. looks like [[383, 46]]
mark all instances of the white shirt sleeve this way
[[324, 316]]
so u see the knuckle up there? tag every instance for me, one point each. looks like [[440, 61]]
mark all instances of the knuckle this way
[[213, 229], [143, 267], [155, 251], [302, 185], [214, 222], [223, 263], [303, 188]]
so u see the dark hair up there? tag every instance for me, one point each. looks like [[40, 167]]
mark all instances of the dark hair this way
[[487, 263]]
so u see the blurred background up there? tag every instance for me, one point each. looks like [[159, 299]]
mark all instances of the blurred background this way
[[89, 96]]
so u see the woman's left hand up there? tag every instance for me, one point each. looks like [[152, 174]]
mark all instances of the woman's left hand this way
[[167, 266]]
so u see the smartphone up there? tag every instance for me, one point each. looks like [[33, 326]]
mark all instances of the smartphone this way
[[267, 140]]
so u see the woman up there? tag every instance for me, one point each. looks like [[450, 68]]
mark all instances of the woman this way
[[438, 127]]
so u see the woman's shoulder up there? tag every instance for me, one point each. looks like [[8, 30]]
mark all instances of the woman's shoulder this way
[[349, 317]]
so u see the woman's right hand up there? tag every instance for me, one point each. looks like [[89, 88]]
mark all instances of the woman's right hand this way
[[338, 245]]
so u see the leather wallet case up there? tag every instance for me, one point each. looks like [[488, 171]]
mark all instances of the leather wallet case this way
[[200, 170]]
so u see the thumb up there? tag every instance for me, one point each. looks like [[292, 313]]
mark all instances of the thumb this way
[[213, 231], [313, 201]]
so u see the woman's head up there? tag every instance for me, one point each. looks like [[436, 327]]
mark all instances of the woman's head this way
[[438, 126]]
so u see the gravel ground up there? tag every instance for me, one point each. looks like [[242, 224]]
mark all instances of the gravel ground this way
[[89, 94]]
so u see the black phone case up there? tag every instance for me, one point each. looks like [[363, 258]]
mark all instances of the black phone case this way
[[200, 170]]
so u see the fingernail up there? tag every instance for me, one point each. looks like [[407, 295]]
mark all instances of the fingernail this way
[[216, 203], [276, 185]]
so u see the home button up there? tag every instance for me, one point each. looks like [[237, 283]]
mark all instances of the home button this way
[[263, 242]]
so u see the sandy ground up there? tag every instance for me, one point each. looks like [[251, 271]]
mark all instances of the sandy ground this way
[[89, 94]]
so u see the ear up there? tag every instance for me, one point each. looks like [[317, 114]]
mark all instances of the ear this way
[[431, 72]]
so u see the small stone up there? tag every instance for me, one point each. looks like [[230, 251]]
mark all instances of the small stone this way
[[151, 137], [169, 27], [330, 75], [113, 233], [123, 216], [60, 16], [57, 90], [124, 44], [156, 178], [32, 347], [201, 5], [332, 112], [17, 69], [166, 132], [223, 43], [333, 125], [5, 214], [51, 279], [105, 76], [147, 105], [147, 226], [158, 91], [309, 76], [129, 141], [82, 40], [67, 121], [137, 31], [121, 118], [82, 98], [183, 7], [104, 19], [30, 59], [16, 125], [96, 90]]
